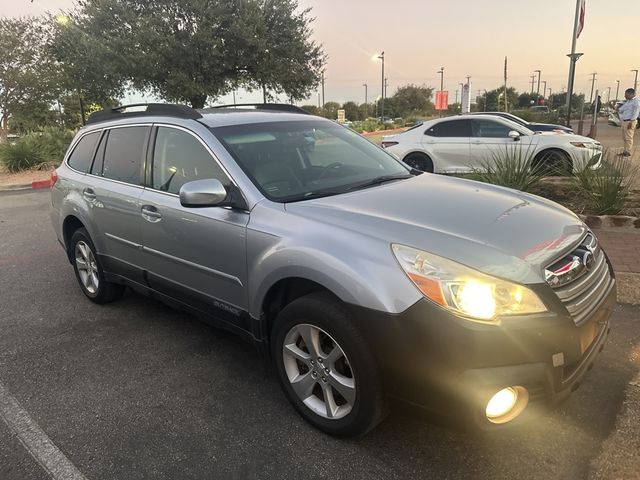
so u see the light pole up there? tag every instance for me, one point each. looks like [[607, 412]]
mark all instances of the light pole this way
[[593, 82], [441, 72], [550, 99], [366, 105], [635, 82], [533, 81], [381, 57], [539, 72], [617, 89], [461, 95], [544, 88]]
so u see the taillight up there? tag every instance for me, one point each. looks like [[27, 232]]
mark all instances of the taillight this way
[[54, 177], [389, 144]]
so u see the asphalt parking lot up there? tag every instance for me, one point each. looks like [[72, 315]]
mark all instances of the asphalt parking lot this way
[[136, 390]]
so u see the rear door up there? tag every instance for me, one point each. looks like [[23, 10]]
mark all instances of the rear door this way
[[196, 254], [113, 189], [447, 142]]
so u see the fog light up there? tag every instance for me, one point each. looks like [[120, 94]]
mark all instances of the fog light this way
[[507, 404]]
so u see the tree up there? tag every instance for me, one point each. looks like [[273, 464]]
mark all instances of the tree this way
[[312, 109], [25, 76], [495, 99], [189, 50], [351, 111], [330, 110], [410, 100]]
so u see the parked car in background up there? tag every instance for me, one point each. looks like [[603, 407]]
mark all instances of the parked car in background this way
[[535, 126], [539, 109], [466, 143], [357, 278]]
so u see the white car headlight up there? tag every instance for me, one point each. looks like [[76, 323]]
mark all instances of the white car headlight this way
[[464, 290]]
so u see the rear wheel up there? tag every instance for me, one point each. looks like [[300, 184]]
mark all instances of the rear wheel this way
[[325, 367], [419, 161], [89, 271]]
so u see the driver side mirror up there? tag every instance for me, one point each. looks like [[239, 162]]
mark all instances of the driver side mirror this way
[[203, 193], [514, 135]]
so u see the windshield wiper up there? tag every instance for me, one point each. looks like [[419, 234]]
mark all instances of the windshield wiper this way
[[377, 181]]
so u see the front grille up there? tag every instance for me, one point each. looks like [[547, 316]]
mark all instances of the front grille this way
[[581, 279]]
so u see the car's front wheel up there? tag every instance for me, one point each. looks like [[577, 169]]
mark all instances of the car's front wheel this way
[[419, 161], [89, 271], [325, 368]]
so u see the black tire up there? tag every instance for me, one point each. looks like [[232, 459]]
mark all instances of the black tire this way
[[419, 161], [325, 313], [105, 291], [553, 162]]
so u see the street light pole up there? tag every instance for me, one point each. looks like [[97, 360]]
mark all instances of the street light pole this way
[[441, 72], [533, 82], [635, 82], [617, 89], [544, 88], [381, 57], [593, 82], [366, 104], [539, 72], [573, 56]]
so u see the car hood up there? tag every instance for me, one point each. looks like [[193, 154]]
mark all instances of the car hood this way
[[496, 230], [532, 126]]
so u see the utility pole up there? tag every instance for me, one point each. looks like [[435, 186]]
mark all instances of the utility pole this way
[[539, 72], [381, 57], [386, 84], [573, 57], [544, 88], [635, 82], [323, 90], [366, 104], [593, 82], [617, 89], [533, 82]]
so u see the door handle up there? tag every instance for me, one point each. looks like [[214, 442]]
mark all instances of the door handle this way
[[151, 213], [89, 194]]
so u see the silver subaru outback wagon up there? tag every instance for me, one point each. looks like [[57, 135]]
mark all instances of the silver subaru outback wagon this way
[[361, 279]]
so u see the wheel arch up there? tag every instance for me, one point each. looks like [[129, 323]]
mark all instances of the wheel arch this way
[[69, 226], [424, 153]]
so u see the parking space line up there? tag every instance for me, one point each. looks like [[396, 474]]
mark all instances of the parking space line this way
[[35, 440]]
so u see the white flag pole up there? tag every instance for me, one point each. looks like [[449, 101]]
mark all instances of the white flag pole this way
[[573, 56]]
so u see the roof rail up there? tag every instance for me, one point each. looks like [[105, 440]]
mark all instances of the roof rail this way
[[159, 109], [278, 107]]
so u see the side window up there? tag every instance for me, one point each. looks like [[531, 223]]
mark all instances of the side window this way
[[489, 129], [451, 128], [123, 154], [98, 162], [80, 158], [178, 158]]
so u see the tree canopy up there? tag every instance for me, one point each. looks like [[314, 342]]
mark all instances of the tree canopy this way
[[189, 50]]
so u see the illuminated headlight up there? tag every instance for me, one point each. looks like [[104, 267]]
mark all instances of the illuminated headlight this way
[[463, 290]]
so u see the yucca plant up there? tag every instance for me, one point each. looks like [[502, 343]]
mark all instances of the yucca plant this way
[[28, 152], [607, 187], [512, 167]]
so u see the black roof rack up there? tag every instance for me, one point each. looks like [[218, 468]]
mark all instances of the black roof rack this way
[[278, 107], [160, 109]]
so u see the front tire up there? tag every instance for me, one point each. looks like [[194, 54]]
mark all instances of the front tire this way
[[419, 161], [553, 162], [89, 271], [325, 368]]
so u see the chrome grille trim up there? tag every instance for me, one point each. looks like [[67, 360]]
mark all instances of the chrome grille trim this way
[[582, 294]]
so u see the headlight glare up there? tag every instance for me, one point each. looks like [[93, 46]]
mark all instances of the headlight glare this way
[[464, 290]]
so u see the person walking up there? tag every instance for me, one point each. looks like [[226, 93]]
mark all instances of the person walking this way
[[629, 112]]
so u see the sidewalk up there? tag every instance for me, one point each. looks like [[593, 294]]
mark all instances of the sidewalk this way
[[623, 249]]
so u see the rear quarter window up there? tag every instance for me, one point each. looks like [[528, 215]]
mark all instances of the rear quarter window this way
[[82, 154]]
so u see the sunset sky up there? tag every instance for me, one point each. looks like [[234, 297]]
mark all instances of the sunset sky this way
[[466, 37]]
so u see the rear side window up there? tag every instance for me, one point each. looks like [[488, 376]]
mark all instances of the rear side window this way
[[451, 128], [80, 158], [123, 154]]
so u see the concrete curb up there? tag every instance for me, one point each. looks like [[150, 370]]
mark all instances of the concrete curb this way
[[26, 186], [618, 222]]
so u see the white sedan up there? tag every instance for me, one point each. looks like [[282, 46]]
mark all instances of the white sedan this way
[[464, 144]]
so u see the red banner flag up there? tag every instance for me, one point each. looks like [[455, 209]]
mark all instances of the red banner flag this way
[[442, 100], [583, 6]]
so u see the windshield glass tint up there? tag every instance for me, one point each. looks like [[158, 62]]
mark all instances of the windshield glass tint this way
[[291, 161]]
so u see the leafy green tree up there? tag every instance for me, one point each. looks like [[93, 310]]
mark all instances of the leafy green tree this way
[[330, 110], [351, 111], [410, 100], [31, 116], [189, 50], [365, 111], [25, 76], [495, 99], [312, 109]]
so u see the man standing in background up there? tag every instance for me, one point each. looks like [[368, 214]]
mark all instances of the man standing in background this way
[[629, 112]]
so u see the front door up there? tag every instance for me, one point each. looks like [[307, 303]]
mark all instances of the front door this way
[[196, 254], [491, 144]]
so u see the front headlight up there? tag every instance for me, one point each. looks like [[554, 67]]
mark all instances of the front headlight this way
[[464, 290]]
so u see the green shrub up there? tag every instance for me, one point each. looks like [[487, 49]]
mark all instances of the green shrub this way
[[43, 150], [607, 188], [512, 167]]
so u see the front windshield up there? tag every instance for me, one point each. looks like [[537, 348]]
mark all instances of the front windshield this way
[[291, 161]]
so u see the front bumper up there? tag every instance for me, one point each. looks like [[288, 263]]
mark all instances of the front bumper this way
[[445, 364]]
